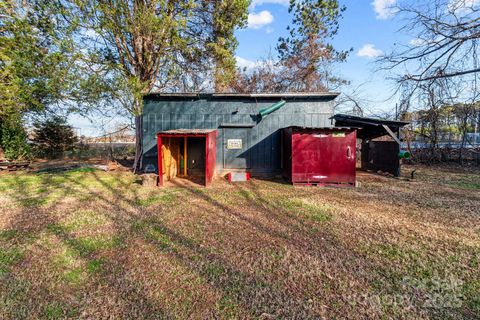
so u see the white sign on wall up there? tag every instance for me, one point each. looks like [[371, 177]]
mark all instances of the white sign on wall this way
[[234, 143]]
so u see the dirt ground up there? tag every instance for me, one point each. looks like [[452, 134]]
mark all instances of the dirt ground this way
[[86, 243]]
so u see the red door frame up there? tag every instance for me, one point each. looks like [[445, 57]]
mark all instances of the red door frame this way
[[210, 152]]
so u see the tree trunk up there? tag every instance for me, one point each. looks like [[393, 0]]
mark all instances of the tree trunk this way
[[137, 165], [462, 147], [137, 111]]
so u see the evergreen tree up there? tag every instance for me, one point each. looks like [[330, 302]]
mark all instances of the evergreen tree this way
[[226, 17], [306, 54], [54, 136]]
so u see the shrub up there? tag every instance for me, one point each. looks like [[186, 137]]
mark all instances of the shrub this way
[[13, 138], [53, 136]]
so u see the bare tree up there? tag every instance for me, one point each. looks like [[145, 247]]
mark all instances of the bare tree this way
[[464, 113], [444, 44], [439, 66]]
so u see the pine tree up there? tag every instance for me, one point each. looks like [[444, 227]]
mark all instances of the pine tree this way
[[227, 16], [306, 53]]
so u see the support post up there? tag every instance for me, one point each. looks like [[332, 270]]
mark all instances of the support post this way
[[160, 161], [393, 135]]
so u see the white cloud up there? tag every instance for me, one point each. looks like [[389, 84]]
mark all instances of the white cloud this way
[[384, 8], [260, 19], [245, 63], [250, 65], [417, 42], [369, 51], [269, 30], [261, 2], [462, 6]]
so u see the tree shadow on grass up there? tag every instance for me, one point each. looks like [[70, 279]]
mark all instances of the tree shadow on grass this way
[[243, 292], [39, 218], [298, 232]]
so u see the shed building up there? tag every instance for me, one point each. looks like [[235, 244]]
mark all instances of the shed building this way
[[246, 140], [244, 130]]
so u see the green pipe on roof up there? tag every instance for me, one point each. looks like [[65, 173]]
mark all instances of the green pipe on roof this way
[[266, 111]]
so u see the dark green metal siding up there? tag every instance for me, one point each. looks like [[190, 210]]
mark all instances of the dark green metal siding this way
[[263, 145]]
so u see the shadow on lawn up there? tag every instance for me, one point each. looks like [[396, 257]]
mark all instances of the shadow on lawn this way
[[245, 291], [298, 232], [242, 292], [125, 296]]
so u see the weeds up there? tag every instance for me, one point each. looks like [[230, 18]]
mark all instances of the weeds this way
[[8, 257]]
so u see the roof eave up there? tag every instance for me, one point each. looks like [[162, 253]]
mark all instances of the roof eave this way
[[286, 95]]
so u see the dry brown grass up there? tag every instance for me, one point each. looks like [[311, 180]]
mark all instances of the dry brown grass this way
[[90, 244]]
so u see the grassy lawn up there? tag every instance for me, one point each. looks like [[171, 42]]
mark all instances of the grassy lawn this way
[[92, 244]]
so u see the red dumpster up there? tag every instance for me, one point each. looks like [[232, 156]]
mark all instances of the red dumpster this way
[[319, 156]]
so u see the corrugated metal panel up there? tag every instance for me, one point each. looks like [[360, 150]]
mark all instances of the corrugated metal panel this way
[[263, 138]]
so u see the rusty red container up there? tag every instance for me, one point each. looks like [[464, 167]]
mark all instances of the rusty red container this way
[[319, 156]]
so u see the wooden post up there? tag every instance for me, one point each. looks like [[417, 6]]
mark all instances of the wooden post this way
[[160, 161], [185, 156]]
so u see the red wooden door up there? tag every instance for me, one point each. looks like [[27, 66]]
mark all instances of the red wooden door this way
[[324, 156], [160, 161], [211, 156]]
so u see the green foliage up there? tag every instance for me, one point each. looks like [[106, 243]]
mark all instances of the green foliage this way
[[140, 46], [54, 136], [307, 49], [13, 138], [132, 43], [37, 57], [226, 17], [38, 68]]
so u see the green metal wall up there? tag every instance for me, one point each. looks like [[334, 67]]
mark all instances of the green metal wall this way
[[261, 142]]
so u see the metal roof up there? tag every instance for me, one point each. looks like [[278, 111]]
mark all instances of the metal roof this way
[[187, 131], [323, 128], [369, 127], [356, 120], [278, 95], [285, 95]]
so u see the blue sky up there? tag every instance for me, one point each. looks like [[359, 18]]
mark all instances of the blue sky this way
[[368, 26]]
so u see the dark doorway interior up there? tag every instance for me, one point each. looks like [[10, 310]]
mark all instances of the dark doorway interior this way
[[175, 151], [196, 156], [381, 156], [187, 154]]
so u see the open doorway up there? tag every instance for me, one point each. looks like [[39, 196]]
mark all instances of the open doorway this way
[[186, 156]]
